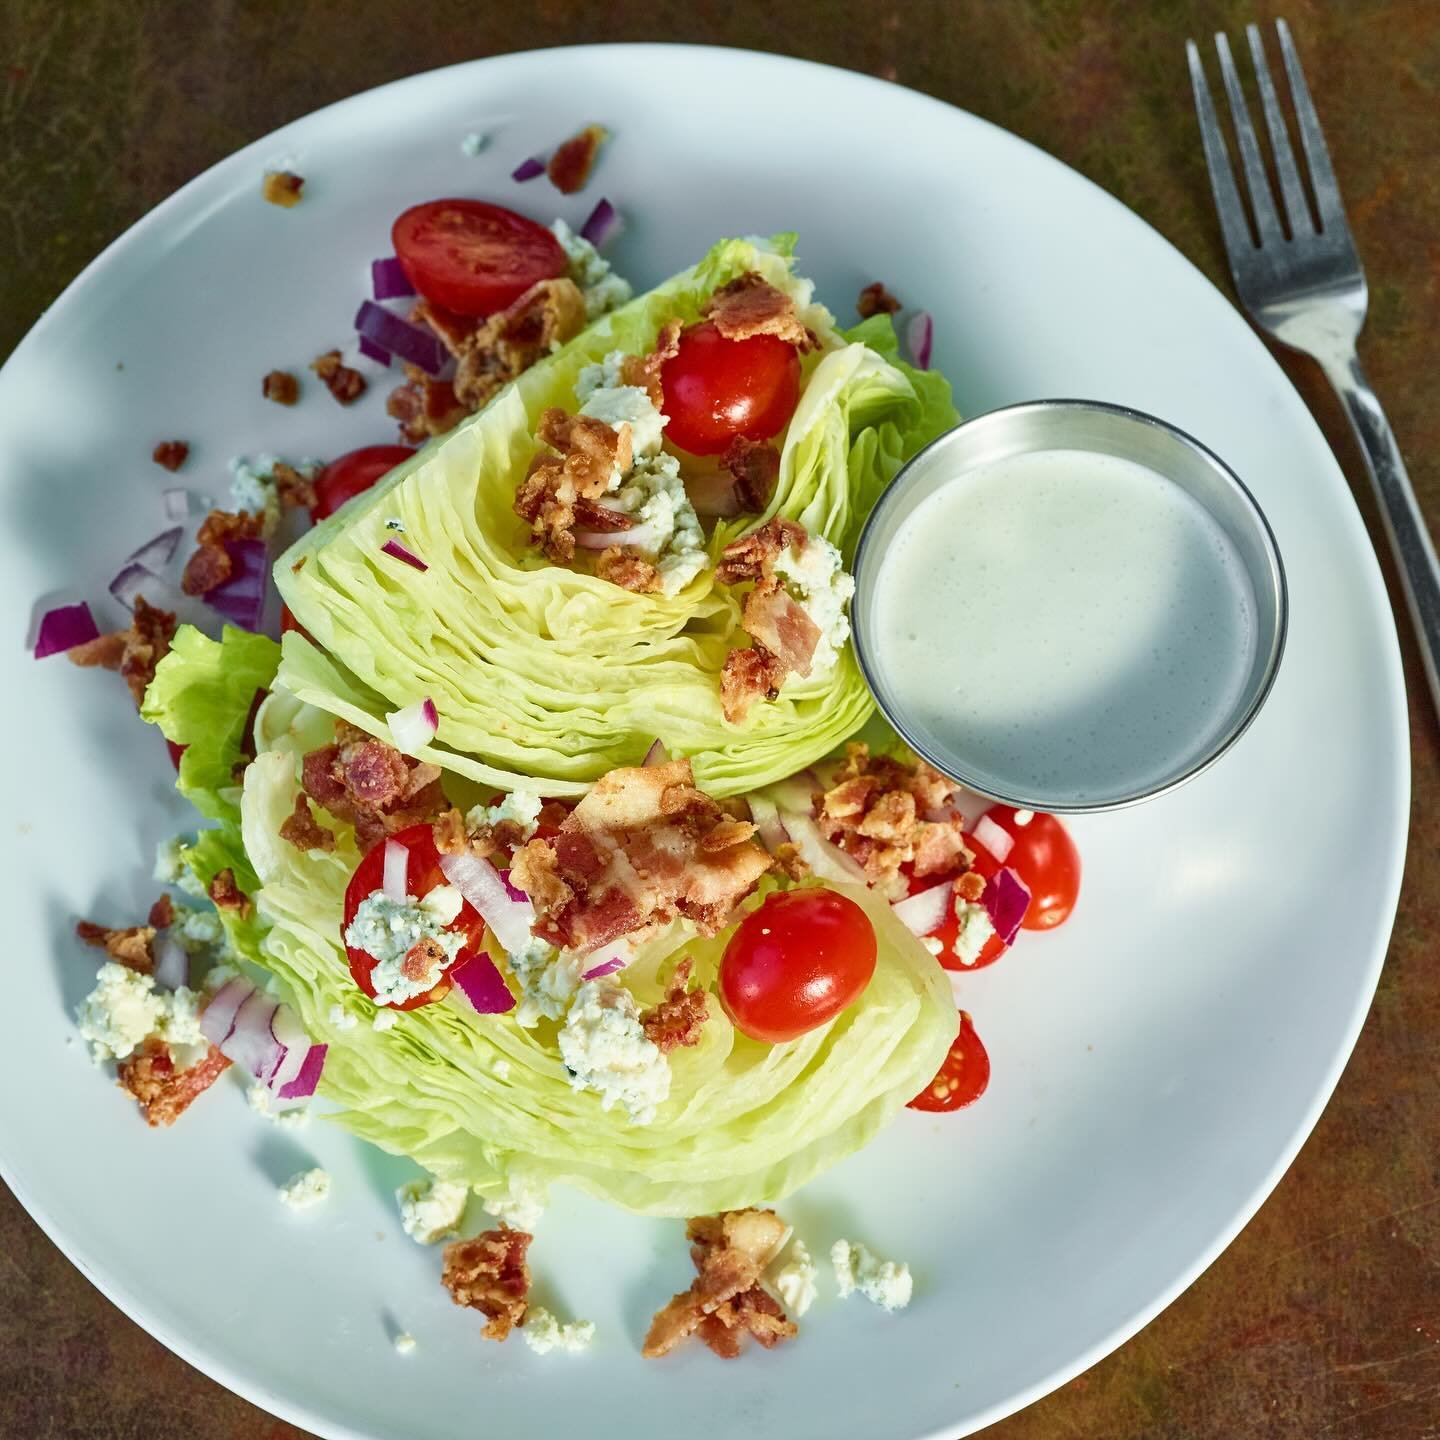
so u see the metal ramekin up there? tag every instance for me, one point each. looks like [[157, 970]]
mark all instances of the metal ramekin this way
[[1104, 429]]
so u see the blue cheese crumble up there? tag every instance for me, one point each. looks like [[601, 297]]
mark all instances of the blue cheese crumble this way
[[794, 1281], [387, 930], [654, 496], [521, 807], [125, 1009], [815, 576], [305, 1190], [976, 928], [606, 1049], [171, 869], [548, 982], [884, 1282], [602, 288], [521, 1205], [542, 1332], [431, 1210], [253, 487]]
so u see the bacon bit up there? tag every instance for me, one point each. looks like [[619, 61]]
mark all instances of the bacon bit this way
[[131, 948], [162, 913], [730, 1252], [750, 305], [455, 331], [873, 811], [680, 1017], [172, 454], [970, 886], [163, 1092], [875, 299], [753, 556], [293, 490], [512, 340], [283, 188], [644, 371], [590, 451], [747, 676], [227, 895], [303, 830], [423, 406], [593, 516], [627, 570], [570, 166], [134, 652], [280, 386], [345, 384], [756, 468], [491, 1274], [211, 565], [371, 785], [638, 849], [782, 625], [423, 960], [788, 862]]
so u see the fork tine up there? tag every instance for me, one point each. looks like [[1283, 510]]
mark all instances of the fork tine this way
[[1233, 226], [1312, 138], [1297, 211], [1257, 183]]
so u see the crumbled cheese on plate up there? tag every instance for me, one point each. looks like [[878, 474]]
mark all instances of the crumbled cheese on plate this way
[[884, 1282], [431, 1209], [306, 1190]]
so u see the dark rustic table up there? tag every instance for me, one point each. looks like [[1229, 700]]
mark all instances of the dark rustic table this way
[[1323, 1319]]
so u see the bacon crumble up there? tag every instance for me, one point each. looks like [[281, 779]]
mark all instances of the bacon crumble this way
[[172, 454], [283, 188], [293, 489], [574, 159], [135, 651], [511, 341], [875, 299], [303, 830], [423, 406], [750, 305], [645, 371], [281, 386], [345, 384], [368, 784], [227, 895], [131, 947], [211, 564], [679, 1018], [163, 1092], [587, 452], [756, 468], [162, 913], [490, 1273], [627, 570]]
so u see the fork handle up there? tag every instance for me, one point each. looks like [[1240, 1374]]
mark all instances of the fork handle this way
[[1410, 540]]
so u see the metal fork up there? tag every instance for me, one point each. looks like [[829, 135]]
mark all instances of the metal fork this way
[[1303, 284]]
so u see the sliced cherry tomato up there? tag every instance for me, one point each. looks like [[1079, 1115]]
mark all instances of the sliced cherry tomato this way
[[948, 930], [1045, 858], [422, 874], [716, 389], [471, 257], [962, 1078], [795, 963], [353, 474]]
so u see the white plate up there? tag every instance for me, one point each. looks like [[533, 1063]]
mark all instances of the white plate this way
[[1156, 1064]]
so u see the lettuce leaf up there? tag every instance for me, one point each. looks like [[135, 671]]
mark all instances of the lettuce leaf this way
[[542, 674]]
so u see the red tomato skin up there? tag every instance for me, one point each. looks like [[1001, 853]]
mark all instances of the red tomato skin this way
[[716, 389], [963, 1077], [350, 475], [795, 963], [473, 258], [1045, 858], [948, 930], [422, 874], [176, 751]]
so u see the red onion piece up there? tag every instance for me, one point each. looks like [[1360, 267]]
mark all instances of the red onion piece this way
[[924, 912], [478, 882], [371, 351], [64, 627], [657, 754], [303, 1085], [607, 967], [645, 537], [825, 860], [714, 496], [217, 1020], [919, 338], [479, 980], [397, 866], [241, 597], [177, 502], [530, 169], [156, 554], [768, 825], [294, 1045], [136, 580], [250, 1044], [395, 548], [172, 962], [400, 337], [413, 726], [1006, 898], [513, 891], [388, 280], [601, 225], [995, 838]]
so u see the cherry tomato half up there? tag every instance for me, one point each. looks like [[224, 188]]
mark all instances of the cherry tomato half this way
[[948, 931], [1045, 858], [471, 257], [422, 874], [352, 474], [716, 389], [795, 963], [962, 1078]]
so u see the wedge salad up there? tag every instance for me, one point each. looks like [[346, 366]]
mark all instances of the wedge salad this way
[[556, 841]]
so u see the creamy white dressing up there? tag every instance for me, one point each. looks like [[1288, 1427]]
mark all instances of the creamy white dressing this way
[[1064, 621]]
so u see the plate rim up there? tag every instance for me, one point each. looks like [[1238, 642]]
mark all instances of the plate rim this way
[[1398, 779]]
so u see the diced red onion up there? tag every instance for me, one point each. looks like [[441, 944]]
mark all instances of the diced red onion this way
[[995, 838], [478, 882], [413, 726], [395, 548], [513, 891], [530, 169], [293, 1047], [397, 866], [924, 912], [657, 754], [177, 502], [919, 337], [250, 1044], [217, 1020], [388, 280], [714, 496], [305, 1083], [371, 351], [601, 225], [649, 536], [768, 824], [63, 627], [172, 962], [241, 597], [135, 580], [392, 332], [156, 554], [612, 962], [479, 980], [825, 860], [1006, 898]]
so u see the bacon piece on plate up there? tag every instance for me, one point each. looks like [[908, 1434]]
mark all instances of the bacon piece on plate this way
[[627, 570], [423, 406], [172, 454], [134, 652], [490, 1273], [588, 454], [643, 371], [345, 384], [280, 386], [163, 1092], [753, 556], [756, 468], [130, 947], [570, 166], [875, 299], [303, 830], [782, 625]]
